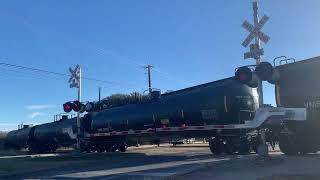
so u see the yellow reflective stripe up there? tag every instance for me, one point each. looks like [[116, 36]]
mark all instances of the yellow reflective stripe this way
[[225, 104], [278, 95]]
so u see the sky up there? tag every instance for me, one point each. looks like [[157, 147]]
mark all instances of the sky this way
[[188, 42]]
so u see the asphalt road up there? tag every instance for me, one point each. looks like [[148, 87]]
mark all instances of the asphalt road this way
[[150, 162], [278, 167]]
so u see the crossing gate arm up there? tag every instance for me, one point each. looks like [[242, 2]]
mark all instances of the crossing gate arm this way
[[273, 116]]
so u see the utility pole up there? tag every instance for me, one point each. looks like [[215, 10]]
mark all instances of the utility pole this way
[[78, 113], [100, 98], [149, 67]]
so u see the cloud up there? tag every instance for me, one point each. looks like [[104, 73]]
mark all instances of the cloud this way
[[36, 114], [40, 106]]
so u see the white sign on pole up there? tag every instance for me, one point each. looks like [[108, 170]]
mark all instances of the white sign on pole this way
[[254, 52]]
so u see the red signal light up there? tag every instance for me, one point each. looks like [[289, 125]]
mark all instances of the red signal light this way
[[76, 106], [242, 77], [67, 107], [246, 76], [243, 74]]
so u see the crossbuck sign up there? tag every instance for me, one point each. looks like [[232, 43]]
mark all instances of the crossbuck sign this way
[[255, 31], [75, 77]]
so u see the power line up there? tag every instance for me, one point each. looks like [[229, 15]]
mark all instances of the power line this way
[[103, 51], [31, 69], [56, 73], [5, 72], [100, 51]]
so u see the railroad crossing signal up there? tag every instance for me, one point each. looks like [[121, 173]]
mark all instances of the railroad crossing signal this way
[[75, 81], [255, 31], [75, 77]]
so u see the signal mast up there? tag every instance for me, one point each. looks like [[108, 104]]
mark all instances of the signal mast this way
[[255, 51], [75, 81]]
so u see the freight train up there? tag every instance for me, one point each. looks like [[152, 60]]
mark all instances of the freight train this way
[[193, 112], [43, 138], [197, 111], [299, 87], [224, 111]]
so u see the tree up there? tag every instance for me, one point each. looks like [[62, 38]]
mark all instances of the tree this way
[[123, 99]]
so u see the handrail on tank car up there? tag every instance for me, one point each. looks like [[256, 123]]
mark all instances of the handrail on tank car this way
[[249, 66], [152, 89], [286, 60], [58, 117], [279, 57]]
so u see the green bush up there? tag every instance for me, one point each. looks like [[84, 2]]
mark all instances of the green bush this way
[[2, 134], [124, 99]]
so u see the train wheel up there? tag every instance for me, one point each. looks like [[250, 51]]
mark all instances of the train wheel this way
[[108, 148], [93, 148], [122, 148], [229, 147], [100, 149], [287, 145], [216, 146], [53, 148], [244, 147], [255, 147], [84, 148], [33, 148], [113, 148]]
